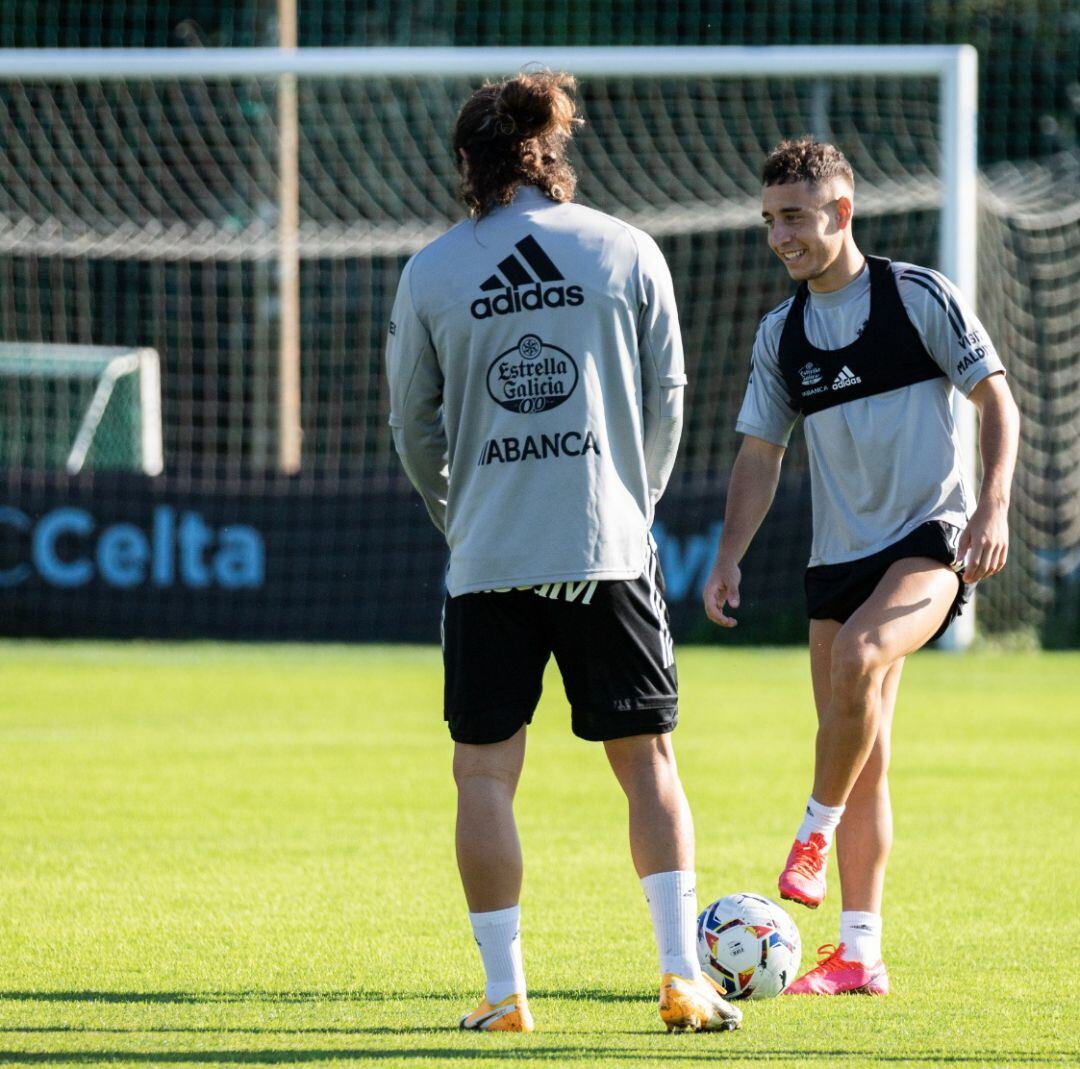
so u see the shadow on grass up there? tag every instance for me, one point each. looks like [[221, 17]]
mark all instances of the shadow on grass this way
[[185, 997], [449, 1055], [195, 1030]]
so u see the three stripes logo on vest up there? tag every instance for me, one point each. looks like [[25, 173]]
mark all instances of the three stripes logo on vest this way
[[516, 290], [846, 378]]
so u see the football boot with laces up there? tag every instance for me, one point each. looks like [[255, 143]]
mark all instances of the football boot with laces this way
[[836, 975], [695, 1005], [803, 878]]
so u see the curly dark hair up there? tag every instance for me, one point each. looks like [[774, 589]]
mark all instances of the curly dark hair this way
[[805, 160], [515, 133]]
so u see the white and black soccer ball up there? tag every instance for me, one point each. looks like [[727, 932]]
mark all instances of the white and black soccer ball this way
[[748, 945]]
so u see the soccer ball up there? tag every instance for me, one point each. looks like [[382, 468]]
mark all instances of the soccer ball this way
[[748, 945]]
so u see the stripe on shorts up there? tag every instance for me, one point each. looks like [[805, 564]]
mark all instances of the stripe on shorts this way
[[667, 643]]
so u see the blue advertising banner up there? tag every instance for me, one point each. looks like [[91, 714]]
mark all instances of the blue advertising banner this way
[[123, 555]]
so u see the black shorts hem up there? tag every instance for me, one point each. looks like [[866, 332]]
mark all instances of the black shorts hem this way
[[487, 726], [836, 591], [963, 596], [648, 718]]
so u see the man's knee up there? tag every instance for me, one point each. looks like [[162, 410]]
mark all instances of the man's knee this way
[[481, 778], [496, 764], [858, 662], [643, 764]]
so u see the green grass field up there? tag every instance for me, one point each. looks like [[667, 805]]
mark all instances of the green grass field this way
[[218, 855]]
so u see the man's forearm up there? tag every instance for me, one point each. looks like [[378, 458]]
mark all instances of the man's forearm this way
[[750, 494], [999, 432]]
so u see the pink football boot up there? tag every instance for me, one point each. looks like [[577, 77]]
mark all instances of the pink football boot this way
[[803, 878], [835, 975]]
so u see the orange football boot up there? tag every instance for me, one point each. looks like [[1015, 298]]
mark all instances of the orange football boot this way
[[511, 1014], [695, 1005]]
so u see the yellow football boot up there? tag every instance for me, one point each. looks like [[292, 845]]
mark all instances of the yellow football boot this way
[[695, 1006], [511, 1014]]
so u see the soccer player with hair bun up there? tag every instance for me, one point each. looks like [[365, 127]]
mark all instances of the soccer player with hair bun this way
[[868, 351], [536, 380]]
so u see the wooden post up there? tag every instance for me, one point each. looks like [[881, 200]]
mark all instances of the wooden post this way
[[289, 429]]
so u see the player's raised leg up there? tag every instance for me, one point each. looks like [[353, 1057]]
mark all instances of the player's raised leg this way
[[662, 847], [904, 611], [489, 859]]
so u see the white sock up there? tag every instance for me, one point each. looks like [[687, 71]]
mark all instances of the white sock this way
[[498, 935], [861, 935], [820, 818], [672, 898]]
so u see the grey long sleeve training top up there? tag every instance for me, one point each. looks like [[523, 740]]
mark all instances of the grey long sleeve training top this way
[[536, 374]]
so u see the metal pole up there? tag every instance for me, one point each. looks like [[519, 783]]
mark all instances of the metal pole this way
[[805, 61], [289, 428], [959, 239]]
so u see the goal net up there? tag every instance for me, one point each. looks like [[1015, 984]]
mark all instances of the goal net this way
[[77, 407], [152, 207]]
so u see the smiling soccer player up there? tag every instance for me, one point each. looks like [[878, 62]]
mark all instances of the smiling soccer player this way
[[868, 352]]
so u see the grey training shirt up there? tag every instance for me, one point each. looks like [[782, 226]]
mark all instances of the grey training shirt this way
[[882, 465], [536, 373]]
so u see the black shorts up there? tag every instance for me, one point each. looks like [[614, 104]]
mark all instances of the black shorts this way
[[611, 641], [835, 591]]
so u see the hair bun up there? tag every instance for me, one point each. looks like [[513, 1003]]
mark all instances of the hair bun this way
[[535, 105], [514, 133]]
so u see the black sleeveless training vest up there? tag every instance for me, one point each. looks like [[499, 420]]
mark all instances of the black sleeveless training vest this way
[[887, 355]]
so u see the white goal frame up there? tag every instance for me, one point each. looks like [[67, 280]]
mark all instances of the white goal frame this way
[[107, 365], [954, 66]]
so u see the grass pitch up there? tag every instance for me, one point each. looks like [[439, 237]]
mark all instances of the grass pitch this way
[[217, 855]]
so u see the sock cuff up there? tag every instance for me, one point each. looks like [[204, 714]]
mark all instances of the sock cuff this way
[[680, 878], [860, 918], [496, 917], [824, 812]]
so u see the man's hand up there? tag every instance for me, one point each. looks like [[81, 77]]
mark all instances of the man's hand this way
[[984, 544], [985, 541], [722, 587]]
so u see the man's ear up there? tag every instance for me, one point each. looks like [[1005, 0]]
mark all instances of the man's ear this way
[[844, 211]]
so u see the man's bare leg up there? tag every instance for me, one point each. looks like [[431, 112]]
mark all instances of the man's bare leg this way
[[902, 614], [489, 860], [662, 848], [850, 664], [864, 838], [865, 658], [661, 827], [488, 850]]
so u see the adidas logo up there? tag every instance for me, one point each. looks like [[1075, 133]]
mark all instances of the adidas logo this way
[[847, 377], [519, 291]]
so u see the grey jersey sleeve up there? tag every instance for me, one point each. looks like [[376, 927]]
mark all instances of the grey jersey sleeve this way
[[766, 411], [949, 329], [663, 372], [416, 387]]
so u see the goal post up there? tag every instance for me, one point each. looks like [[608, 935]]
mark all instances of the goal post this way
[[80, 406], [173, 172]]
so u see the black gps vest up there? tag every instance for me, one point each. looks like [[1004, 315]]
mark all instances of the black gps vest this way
[[887, 355]]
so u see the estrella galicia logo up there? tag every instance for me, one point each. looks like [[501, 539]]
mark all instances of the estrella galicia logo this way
[[810, 374], [516, 290], [534, 376]]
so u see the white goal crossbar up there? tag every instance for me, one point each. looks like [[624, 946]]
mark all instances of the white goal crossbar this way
[[955, 67]]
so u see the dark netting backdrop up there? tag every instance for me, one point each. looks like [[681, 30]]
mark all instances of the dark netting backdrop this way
[[143, 215]]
